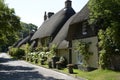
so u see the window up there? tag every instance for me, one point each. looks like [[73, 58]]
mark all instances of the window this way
[[79, 57], [84, 28]]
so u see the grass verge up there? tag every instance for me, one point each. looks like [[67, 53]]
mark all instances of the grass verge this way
[[92, 75], [96, 74]]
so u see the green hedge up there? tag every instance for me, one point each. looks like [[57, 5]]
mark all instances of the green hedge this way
[[17, 53]]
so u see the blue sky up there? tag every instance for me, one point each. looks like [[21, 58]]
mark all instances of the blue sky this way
[[32, 11]]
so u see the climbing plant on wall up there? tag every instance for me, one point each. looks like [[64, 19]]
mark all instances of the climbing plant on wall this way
[[53, 49], [83, 48]]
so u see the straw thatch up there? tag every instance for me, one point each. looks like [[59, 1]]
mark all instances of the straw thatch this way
[[72, 29], [52, 26]]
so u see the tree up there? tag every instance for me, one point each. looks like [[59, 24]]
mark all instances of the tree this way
[[9, 24], [106, 14], [26, 29], [11, 28]]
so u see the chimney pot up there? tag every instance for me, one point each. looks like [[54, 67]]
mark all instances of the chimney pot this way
[[45, 16], [50, 14], [68, 3]]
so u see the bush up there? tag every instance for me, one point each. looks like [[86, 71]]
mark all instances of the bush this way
[[17, 53]]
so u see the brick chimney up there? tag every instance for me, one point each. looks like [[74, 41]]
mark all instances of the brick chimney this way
[[50, 14], [68, 3], [45, 16]]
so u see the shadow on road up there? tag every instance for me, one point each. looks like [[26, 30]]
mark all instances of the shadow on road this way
[[23, 76], [11, 68], [9, 72], [4, 60]]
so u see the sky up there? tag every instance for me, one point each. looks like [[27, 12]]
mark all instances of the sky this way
[[32, 11]]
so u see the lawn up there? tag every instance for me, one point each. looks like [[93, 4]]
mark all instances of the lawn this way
[[92, 75], [96, 74]]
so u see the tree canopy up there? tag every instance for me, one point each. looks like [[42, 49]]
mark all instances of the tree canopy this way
[[9, 22], [11, 29], [106, 14], [26, 29], [9, 25]]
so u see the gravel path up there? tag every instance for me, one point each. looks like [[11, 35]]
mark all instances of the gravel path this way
[[20, 70]]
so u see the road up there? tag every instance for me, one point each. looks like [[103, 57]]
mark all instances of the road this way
[[21, 70]]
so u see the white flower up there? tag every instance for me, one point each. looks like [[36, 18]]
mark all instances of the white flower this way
[[31, 53], [42, 52], [47, 52]]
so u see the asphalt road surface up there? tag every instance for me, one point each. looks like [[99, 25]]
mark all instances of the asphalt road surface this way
[[21, 70]]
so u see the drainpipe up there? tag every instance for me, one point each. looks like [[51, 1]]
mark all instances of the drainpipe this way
[[70, 51]]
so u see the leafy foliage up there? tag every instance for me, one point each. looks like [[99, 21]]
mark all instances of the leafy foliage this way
[[104, 11], [17, 52], [83, 49], [11, 29], [9, 25], [53, 49], [9, 22], [27, 29], [106, 14], [39, 47], [26, 48]]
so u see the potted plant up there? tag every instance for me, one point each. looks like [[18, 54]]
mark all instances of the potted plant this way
[[60, 63], [70, 68]]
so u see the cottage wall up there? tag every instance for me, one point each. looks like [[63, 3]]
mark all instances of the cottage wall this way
[[64, 53], [93, 61], [45, 41]]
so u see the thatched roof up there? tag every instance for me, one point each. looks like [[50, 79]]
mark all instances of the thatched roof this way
[[16, 43], [61, 36], [63, 45], [60, 39], [25, 40], [81, 15], [33, 44], [76, 26], [52, 26]]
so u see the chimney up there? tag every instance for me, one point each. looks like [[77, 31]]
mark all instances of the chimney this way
[[45, 16], [68, 3], [50, 14]]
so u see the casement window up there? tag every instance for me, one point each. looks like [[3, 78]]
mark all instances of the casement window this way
[[79, 57], [84, 29]]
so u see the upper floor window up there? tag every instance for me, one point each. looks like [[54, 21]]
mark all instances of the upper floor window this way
[[84, 29]]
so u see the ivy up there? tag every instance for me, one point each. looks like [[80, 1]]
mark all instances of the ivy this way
[[83, 48], [53, 49], [108, 48]]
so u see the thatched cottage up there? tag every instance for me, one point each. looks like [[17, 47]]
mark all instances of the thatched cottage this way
[[74, 30], [51, 26]]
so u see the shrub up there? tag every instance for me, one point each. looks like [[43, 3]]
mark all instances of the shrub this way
[[26, 48], [17, 52]]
